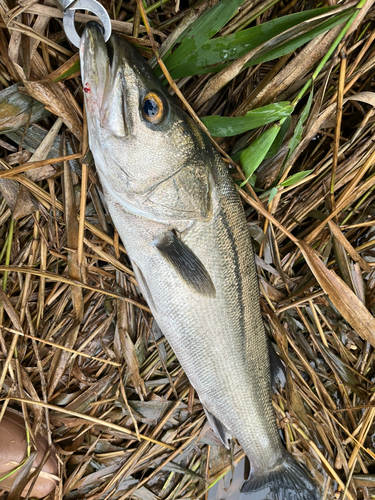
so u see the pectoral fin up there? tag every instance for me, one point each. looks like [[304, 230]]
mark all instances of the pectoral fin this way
[[185, 262]]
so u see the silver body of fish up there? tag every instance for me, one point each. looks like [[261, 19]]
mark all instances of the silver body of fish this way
[[181, 220]]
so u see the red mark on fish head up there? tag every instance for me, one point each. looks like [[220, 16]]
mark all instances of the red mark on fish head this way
[[86, 87]]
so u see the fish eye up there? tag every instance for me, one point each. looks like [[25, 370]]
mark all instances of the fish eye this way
[[152, 108]]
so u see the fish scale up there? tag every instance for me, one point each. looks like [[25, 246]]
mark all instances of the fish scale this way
[[182, 223]]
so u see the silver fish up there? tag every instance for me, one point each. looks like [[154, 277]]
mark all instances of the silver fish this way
[[181, 220]]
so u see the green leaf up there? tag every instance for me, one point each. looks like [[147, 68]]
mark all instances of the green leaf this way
[[274, 149], [222, 126], [297, 135], [206, 26], [276, 145], [275, 46], [252, 156], [293, 179], [230, 47], [273, 193]]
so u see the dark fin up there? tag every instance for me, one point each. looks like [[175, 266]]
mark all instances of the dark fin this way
[[219, 429], [278, 374], [186, 263], [287, 481]]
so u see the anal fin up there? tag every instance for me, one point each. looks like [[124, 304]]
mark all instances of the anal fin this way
[[278, 374], [185, 263]]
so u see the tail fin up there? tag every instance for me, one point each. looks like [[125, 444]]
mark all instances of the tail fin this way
[[287, 481]]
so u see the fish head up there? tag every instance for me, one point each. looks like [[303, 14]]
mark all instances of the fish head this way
[[151, 157]]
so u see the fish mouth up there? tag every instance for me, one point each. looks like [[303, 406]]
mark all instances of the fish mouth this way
[[100, 59], [103, 68], [95, 62]]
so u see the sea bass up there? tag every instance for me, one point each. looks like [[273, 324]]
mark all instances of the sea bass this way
[[181, 220]]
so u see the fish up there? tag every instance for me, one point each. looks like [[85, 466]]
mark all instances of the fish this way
[[182, 223]]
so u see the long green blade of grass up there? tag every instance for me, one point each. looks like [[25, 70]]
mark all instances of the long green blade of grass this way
[[297, 42], [277, 47], [230, 47], [297, 134], [223, 126]]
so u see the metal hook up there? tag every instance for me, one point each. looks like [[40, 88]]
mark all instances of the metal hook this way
[[70, 6]]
